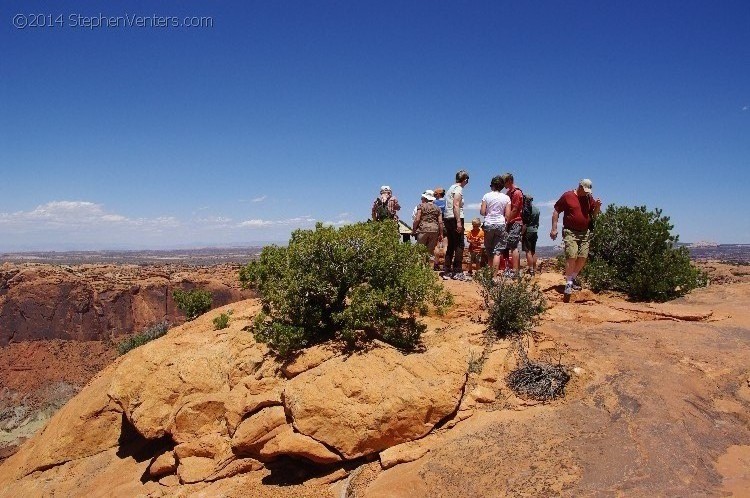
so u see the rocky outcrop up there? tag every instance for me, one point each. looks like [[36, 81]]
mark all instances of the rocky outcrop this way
[[349, 403], [204, 405], [96, 302]]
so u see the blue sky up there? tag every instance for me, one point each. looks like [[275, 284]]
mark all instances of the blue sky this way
[[284, 113]]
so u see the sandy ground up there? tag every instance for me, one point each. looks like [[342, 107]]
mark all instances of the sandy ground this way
[[659, 406]]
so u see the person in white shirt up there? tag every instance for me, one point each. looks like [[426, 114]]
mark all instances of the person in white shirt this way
[[454, 227], [495, 208]]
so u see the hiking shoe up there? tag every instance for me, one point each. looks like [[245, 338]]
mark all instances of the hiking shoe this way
[[532, 273], [446, 275], [461, 276], [569, 288]]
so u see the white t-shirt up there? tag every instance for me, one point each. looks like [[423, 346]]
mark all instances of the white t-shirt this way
[[456, 188], [495, 202]]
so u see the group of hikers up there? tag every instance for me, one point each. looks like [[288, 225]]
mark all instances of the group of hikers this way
[[510, 219]]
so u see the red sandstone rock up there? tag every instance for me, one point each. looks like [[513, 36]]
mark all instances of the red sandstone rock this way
[[367, 402], [163, 465], [96, 302]]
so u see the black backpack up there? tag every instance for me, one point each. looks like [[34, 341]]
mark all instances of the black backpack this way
[[381, 210], [526, 210]]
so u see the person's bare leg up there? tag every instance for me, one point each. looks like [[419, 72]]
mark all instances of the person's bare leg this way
[[570, 266], [516, 260], [578, 266]]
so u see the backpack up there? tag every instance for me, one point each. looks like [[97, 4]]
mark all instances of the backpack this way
[[381, 210], [525, 205], [526, 210]]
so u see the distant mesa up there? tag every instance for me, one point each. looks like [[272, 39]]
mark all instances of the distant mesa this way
[[704, 243]]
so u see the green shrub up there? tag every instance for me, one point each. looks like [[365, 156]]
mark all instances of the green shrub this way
[[559, 263], [222, 321], [633, 251], [354, 283], [149, 334], [514, 305], [193, 303]]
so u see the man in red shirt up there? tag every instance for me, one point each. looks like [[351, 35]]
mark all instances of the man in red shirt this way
[[578, 208], [514, 223]]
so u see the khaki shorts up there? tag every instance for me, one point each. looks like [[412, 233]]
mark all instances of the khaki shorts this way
[[576, 243], [430, 239]]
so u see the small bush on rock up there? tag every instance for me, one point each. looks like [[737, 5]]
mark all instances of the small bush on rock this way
[[222, 321], [514, 305], [633, 251], [147, 335], [355, 283], [193, 303]]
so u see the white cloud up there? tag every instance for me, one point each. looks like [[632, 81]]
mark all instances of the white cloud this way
[[113, 217], [546, 204], [76, 215], [300, 220], [746, 108], [297, 222], [259, 199], [61, 225], [473, 205], [256, 223], [62, 213], [338, 223]]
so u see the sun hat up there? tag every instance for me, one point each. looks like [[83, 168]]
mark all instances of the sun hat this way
[[429, 195], [385, 188], [586, 185]]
